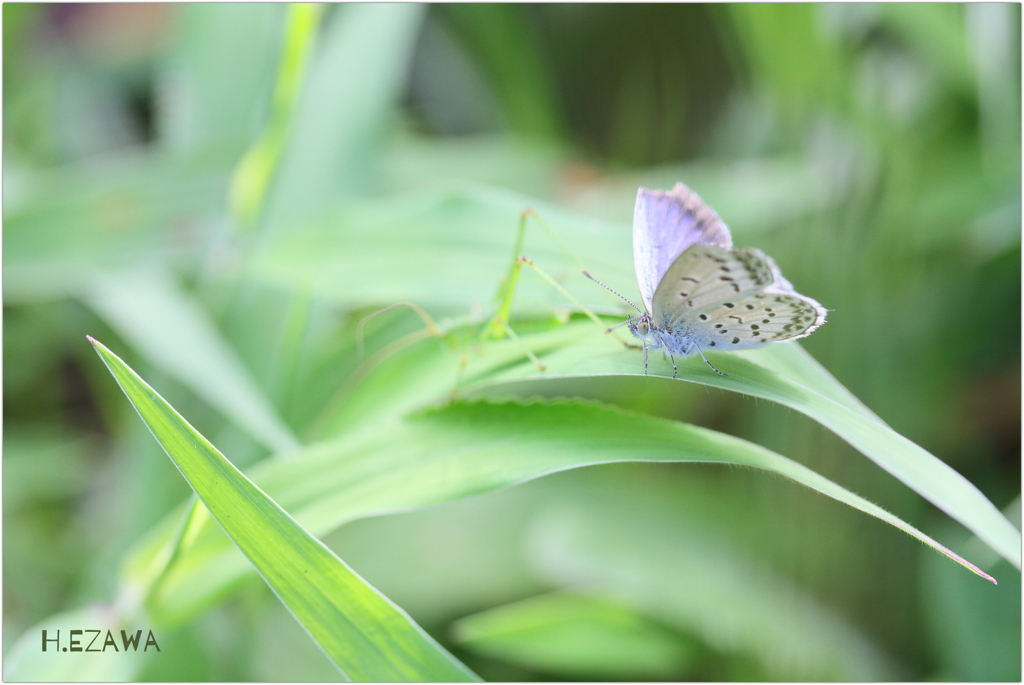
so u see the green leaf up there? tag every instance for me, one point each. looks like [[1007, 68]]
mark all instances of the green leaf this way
[[127, 208], [684, 571], [452, 452], [217, 75], [578, 636], [405, 246], [974, 629], [376, 252], [174, 333], [346, 101], [461, 233], [252, 175], [360, 630], [783, 373]]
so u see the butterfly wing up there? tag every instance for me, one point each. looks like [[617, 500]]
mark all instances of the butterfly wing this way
[[665, 224], [706, 275], [734, 299], [762, 318]]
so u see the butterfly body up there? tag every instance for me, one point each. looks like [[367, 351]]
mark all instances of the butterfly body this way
[[699, 292]]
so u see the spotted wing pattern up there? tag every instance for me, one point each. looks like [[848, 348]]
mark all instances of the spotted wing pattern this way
[[760, 318], [732, 299], [665, 224], [705, 275]]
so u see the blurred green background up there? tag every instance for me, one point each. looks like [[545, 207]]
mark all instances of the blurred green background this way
[[873, 150]]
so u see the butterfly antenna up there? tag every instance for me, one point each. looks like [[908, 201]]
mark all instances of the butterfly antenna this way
[[620, 325], [584, 272]]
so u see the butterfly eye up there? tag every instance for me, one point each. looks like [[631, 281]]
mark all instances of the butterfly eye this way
[[642, 327]]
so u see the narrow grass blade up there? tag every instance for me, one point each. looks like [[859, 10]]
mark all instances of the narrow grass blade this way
[[686, 572], [357, 74], [252, 175], [360, 630], [147, 307], [219, 67], [784, 374], [122, 209], [578, 637], [457, 451]]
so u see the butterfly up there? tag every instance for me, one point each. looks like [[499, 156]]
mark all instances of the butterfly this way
[[701, 293]]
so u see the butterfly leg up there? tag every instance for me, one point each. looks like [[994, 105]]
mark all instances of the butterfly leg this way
[[675, 369], [645, 359], [701, 353]]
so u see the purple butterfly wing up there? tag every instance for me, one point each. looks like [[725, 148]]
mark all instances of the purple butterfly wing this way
[[666, 223]]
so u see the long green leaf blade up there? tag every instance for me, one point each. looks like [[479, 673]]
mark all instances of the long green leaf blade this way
[[147, 307], [458, 451], [358, 73], [252, 175], [360, 630], [577, 636], [784, 374], [743, 607]]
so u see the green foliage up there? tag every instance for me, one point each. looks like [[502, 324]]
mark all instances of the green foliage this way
[[222, 193], [575, 635], [444, 454], [364, 634]]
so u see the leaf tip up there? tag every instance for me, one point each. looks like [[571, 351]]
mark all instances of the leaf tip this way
[[959, 559]]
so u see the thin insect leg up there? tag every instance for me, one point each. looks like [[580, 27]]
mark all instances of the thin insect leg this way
[[675, 369], [508, 285], [371, 363], [579, 262], [706, 360], [645, 359], [507, 288], [530, 211], [427, 321], [633, 318], [463, 361], [499, 324], [557, 286], [512, 334]]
